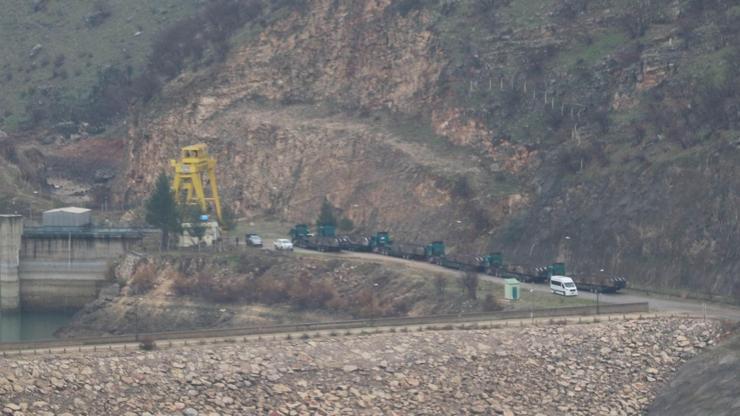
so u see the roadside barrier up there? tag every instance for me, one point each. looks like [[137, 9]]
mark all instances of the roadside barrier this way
[[624, 308]]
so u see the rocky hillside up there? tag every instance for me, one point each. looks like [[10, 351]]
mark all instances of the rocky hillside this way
[[60, 57], [238, 289], [599, 132], [605, 368], [706, 385], [507, 125]]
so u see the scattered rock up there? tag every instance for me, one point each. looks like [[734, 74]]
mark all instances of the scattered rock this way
[[349, 368], [109, 292], [103, 175], [35, 50], [445, 372]]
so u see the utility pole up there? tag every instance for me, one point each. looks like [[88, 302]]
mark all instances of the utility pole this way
[[531, 304], [372, 303], [136, 321]]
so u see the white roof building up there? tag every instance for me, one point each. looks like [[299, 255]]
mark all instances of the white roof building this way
[[66, 217]]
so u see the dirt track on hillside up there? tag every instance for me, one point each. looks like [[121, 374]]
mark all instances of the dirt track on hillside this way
[[665, 304]]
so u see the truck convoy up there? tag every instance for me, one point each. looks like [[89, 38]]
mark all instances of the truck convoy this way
[[326, 240], [435, 252]]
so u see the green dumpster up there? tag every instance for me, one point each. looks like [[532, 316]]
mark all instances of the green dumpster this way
[[511, 289]]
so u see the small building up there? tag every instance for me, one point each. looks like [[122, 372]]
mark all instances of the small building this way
[[66, 217], [511, 289], [201, 234]]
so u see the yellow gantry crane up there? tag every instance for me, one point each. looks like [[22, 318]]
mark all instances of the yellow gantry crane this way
[[194, 163]]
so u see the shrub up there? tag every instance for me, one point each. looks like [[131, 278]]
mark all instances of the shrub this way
[[144, 279], [228, 218], [269, 290], [462, 188], [146, 86], [187, 40], [205, 285], [147, 344], [399, 307], [305, 293], [59, 60], [110, 96], [363, 304], [490, 304], [553, 117], [254, 265], [404, 7], [440, 284], [184, 285], [469, 282], [100, 12], [225, 291], [346, 224]]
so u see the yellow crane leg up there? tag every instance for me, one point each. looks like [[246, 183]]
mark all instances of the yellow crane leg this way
[[189, 171], [214, 189]]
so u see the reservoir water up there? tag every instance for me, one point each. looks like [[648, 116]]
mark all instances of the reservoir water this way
[[31, 326]]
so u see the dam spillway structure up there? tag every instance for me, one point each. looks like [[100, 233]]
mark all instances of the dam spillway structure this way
[[59, 265]]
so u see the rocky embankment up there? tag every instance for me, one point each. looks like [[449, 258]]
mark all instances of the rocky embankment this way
[[258, 287], [609, 368], [707, 385]]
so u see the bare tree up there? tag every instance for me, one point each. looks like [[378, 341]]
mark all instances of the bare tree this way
[[470, 282], [440, 284]]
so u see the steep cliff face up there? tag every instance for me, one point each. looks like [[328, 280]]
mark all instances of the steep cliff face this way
[[272, 117], [494, 125]]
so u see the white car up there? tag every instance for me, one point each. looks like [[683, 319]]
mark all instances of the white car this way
[[283, 244]]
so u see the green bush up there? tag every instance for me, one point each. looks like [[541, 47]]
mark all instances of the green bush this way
[[346, 224]]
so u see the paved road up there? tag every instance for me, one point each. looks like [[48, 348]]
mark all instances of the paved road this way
[[664, 304]]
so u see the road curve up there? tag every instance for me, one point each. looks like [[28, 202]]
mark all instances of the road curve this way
[[663, 304]]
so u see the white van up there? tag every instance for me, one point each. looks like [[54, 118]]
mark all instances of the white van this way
[[563, 285]]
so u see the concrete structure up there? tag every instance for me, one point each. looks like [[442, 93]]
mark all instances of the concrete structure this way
[[211, 233], [65, 267], [11, 228], [66, 217], [53, 268], [512, 289]]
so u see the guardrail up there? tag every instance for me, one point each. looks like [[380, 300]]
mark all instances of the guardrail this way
[[82, 232], [326, 326]]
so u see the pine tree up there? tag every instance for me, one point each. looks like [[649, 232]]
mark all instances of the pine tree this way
[[161, 209], [228, 218], [326, 216]]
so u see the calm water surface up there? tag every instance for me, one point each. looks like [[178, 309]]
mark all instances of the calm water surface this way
[[31, 326]]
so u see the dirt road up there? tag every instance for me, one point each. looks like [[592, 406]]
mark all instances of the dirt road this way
[[663, 304]]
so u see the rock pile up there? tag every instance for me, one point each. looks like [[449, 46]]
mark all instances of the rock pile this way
[[610, 368]]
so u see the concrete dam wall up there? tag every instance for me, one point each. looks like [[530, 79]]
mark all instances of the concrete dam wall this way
[[53, 268], [11, 229]]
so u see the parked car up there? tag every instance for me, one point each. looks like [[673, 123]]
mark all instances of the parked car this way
[[283, 244], [253, 240]]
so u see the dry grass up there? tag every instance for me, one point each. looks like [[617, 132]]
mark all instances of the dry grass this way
[[144, 279]]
